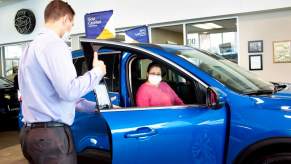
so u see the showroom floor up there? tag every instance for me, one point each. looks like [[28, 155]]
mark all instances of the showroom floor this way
[[10, 152]]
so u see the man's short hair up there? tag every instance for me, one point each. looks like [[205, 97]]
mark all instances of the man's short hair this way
[[57, 9]]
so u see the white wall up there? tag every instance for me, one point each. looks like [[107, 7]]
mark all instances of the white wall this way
[[8, 32], [269, 27], [132, 12]]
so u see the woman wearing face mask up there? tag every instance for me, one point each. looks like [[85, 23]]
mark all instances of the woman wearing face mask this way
[[154, 92]]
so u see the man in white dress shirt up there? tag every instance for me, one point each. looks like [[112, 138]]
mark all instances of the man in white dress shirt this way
[[50, 89]]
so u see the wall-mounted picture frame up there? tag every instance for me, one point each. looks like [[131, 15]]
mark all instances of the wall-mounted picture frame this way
[[255, 62], [282, 51], [255, 46]]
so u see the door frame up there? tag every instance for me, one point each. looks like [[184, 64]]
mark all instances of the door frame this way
[[129, 49], [177, 68], [132, 48]]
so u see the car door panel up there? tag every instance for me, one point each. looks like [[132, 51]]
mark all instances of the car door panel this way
[[184, 134], [90, 131]]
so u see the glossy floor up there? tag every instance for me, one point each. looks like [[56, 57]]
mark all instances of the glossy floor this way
[[10, 152]]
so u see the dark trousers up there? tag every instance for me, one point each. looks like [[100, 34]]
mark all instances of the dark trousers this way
[[48, 145]]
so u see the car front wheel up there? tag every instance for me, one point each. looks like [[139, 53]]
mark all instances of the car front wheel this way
[[276, 158]]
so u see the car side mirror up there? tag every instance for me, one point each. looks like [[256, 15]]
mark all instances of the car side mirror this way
[[103, 101], [214, 98]]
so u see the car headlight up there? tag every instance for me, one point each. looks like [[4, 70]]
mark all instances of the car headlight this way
[[6, 96]]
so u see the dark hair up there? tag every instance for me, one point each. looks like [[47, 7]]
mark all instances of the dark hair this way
[[153, 64], [57, 9]]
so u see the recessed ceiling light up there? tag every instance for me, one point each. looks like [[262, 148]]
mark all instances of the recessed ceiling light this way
[[207, 26]]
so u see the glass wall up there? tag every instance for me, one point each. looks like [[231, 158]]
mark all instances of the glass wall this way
[[218, 36], [1, 62], [11, 55], [167, 34]]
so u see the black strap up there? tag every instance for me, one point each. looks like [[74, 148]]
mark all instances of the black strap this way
[[44, 124]]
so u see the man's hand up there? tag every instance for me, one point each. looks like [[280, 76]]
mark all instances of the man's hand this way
[[99, 64]]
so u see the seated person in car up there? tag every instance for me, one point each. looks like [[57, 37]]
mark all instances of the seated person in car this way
[[154, 92]]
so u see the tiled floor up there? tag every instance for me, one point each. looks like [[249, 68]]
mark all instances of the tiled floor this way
[[10, 152]]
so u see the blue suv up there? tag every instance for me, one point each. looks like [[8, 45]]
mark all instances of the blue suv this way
[[229, 116]]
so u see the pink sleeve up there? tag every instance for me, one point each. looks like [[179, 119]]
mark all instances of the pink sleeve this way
[[174, 96], [142, 97], [178, 101]]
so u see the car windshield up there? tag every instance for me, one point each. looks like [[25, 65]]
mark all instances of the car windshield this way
[[228, 73]]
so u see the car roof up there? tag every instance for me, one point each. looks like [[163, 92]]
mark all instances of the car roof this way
[[170, 48]]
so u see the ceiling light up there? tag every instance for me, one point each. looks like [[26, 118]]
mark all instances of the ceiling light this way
[[202, 26], [207, 26]]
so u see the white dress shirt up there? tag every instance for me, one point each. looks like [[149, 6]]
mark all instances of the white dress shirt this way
[[48, 81]]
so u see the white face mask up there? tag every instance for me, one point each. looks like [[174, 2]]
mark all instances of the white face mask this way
[[155, 79], [66, 36]]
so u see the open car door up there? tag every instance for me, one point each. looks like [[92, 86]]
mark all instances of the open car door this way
[[172, 134]]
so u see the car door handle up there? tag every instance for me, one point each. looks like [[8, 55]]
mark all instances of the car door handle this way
[[140, 132]]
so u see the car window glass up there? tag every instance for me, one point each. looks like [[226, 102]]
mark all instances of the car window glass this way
[[226, 72], [190, 91], [80, 65], [112, 69]]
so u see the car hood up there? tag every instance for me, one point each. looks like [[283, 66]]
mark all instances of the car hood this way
[[279, 100], [5, 86]]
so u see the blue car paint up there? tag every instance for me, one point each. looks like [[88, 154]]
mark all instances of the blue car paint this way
[[247, 126], [77, 54], [257, 118], [92, 133], [20, 117], [189, 131], [251, 120]]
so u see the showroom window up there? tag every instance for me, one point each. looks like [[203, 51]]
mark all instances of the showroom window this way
[[12, 54], [172, 34], [218, 37], [1, 62]]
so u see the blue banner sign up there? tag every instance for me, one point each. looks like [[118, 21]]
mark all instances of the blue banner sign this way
[[139, 34], [96, 25]]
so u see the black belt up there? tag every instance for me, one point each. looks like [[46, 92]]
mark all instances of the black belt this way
[[44, 124]]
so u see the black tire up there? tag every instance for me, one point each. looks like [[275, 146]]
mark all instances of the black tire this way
[[275, 158]]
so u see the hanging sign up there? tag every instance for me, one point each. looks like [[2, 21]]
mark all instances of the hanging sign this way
[[138, 34], [99, 25]]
